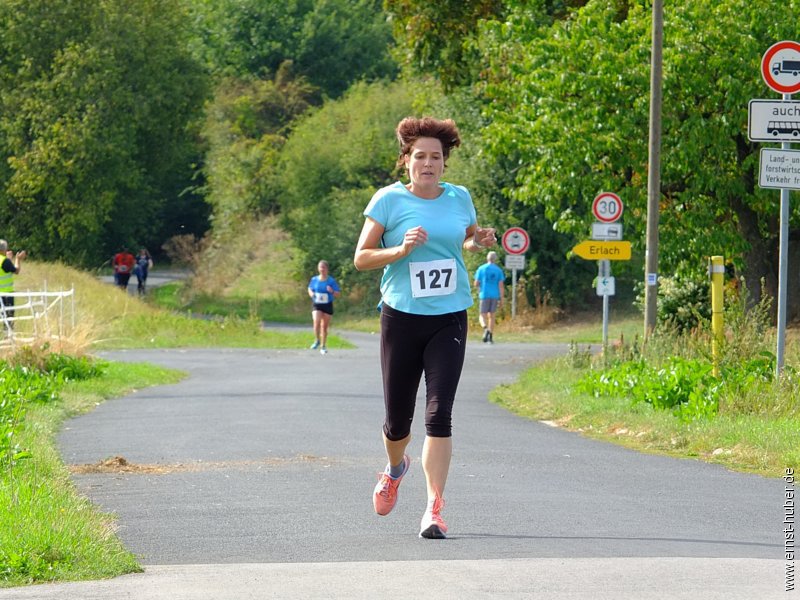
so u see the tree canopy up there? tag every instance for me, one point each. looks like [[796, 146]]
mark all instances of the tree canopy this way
[[124, 123], [97, 98], [568, 104], [332, 43]]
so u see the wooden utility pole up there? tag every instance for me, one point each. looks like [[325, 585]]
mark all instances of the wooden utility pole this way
[[653, 172]]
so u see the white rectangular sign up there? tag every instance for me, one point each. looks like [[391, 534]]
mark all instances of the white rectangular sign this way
[[773, 121], [779, 169], [605, 286], [606, 231], [515, 261]]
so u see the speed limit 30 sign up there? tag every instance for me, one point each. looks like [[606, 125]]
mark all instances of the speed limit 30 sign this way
[[607, 207]]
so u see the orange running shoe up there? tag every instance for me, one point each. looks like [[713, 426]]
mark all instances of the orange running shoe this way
[[385, 495], [433, 526]]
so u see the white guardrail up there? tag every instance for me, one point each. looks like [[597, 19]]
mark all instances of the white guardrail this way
[[37, 315]]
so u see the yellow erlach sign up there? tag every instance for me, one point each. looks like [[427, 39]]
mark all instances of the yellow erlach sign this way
[[598, 250]]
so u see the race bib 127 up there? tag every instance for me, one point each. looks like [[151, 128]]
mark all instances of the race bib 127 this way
[[433, 278]]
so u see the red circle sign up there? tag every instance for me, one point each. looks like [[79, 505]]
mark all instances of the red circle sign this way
[[780, 67], [607, 207], [516, 240]]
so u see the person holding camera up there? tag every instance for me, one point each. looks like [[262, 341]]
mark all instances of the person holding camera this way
[[12, 265]]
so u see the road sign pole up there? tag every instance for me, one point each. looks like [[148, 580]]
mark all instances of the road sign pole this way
[[513, 293], [778, 64], [783, 274], [783, 269], [515, 241], [604, 270]]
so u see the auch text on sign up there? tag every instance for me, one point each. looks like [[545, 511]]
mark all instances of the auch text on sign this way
[[597, 250]]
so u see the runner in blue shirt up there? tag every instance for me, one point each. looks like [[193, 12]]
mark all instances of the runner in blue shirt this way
[[322, 289], [416, 233], [489, 279]]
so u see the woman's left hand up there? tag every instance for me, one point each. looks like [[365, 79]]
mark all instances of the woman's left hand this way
[[485, 236]]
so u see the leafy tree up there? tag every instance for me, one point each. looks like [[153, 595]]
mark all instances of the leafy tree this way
[[568, 106], [488, 178], [334, 160], [247, 37], [97, 99], [431, 35], [438, 37], [246, 126], [332, 43], [344, 41], [443, 39]]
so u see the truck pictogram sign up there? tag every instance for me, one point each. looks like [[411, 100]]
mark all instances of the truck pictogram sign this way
[[780, 67]]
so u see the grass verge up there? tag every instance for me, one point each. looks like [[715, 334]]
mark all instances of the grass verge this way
[[107, 318], [277, 307], [169, 330], [49, 532], [747, 443]]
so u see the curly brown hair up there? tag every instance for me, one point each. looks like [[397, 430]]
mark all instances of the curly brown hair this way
[[410, 129]]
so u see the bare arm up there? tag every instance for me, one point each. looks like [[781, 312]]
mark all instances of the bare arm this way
[[369, 255], [479, 238]]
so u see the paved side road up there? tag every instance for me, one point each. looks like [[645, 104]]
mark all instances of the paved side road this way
[[155, 278], [252, 479]]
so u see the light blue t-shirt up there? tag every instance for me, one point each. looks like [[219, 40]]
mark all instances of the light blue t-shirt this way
[[432, 279], [490, 277]]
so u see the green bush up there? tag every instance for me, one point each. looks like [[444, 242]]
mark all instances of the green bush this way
[[38, 381], [74, 368], [685, 386], [18, 387], [683, 303]]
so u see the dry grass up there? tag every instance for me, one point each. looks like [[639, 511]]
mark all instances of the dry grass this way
[[87, 317], [258, 261]]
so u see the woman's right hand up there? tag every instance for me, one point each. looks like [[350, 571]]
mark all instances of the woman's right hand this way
[[416, 236]]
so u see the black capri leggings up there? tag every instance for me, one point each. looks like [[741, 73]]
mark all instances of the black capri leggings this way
[[410, 346]]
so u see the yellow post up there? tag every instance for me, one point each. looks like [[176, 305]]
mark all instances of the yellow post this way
[[717, 272]]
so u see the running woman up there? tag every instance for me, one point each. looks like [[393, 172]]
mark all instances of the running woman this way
[[322, 289], [417, 232]]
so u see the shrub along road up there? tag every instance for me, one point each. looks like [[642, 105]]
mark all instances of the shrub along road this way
[[252, 478]]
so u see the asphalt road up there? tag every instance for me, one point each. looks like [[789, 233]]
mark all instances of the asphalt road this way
[[253, 478], [155, 278]]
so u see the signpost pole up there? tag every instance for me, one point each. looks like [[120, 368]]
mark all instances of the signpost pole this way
[[783, 269], [515, 242], [513, 293], [607, 209], [604, 268], [779, 70]]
